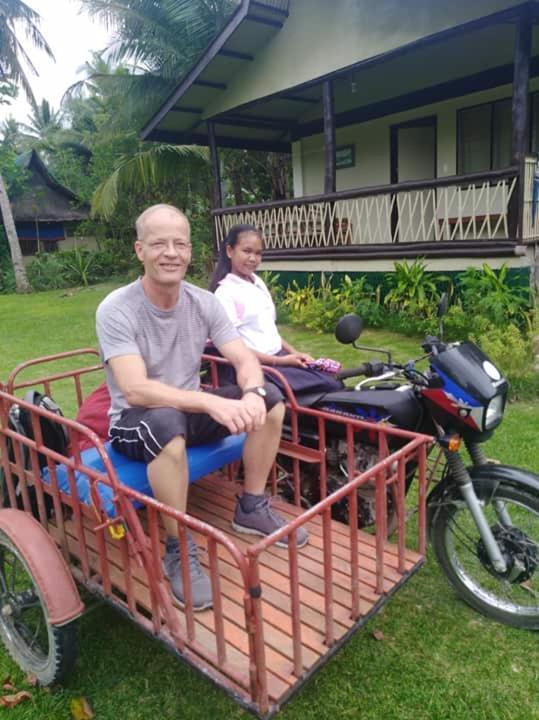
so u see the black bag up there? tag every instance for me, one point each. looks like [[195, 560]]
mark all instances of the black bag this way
[[54, 436]]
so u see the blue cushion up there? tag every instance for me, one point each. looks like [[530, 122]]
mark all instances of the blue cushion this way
[[201, 459]]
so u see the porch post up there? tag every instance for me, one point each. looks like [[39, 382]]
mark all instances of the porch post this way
[[520, 114], [217, 197], [330, 177]]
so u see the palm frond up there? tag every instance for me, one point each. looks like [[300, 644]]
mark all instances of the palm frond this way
[[142, 171]]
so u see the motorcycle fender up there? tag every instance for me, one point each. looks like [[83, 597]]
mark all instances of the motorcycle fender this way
[[482, 477], [516, 477]]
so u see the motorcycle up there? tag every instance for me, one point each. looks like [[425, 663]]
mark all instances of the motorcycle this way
[[483, 518]]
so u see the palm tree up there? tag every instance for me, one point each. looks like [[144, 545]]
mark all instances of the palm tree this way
[[160, 40], [42, 127], [141, 171], [17, 17]]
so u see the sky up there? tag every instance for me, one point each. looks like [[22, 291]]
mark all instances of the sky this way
[[72, 35]]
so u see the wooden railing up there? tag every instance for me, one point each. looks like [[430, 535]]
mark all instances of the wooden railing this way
[[530, 210], [467, 207]]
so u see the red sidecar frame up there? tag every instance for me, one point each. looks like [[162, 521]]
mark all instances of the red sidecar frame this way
[[278, 614]]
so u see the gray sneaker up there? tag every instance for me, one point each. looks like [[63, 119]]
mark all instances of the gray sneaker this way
[[200, 582], [263, 520]]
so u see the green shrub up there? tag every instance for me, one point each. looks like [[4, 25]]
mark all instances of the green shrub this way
[[7, 276], [412, 287], [81, 266], [117, 257], [508, 348], [45, 272], [320, 308], [488, 293]]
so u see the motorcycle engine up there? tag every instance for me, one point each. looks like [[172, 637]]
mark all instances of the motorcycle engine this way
[[366, 457]]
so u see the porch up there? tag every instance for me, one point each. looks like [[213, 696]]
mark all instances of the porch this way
[[474, 215]]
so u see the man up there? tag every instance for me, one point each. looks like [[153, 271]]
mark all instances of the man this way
[[151, 335]]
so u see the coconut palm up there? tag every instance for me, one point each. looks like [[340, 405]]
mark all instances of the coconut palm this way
[[17, 18], [160, 41], [42, 127], [144, 170]]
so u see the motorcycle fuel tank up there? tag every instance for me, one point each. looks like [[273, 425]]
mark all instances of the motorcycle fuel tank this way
[[398, 406]]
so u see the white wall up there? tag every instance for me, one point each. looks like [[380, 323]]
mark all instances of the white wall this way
[[352, 31], [372, 145]]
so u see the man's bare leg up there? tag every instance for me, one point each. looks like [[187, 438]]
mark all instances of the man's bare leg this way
[[260, 451], [169, 479], [253, 514]]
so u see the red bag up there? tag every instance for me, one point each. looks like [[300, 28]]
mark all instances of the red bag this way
[[94, 414]]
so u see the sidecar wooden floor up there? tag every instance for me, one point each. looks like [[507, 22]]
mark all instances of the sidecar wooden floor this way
[[218, 641]]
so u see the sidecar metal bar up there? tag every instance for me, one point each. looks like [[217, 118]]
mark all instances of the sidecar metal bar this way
[[46, 381], [279, 612]]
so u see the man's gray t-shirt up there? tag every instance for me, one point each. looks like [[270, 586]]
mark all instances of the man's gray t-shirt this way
[[169, 341]]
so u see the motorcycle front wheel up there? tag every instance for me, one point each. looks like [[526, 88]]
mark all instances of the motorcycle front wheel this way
[[512, 512]]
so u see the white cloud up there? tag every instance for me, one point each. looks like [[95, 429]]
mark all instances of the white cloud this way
[[72, 35]]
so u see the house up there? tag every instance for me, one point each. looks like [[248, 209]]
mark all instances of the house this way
[[45, 212], [413, 127]]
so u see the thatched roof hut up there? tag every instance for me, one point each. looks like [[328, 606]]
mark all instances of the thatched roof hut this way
[[43, 208]]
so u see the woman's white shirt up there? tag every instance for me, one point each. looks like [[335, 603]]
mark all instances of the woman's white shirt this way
[[252, 311]]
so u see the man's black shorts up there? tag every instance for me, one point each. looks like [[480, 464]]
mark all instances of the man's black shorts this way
[[141, 433]]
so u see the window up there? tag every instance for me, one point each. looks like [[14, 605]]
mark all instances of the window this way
[[484, 137]]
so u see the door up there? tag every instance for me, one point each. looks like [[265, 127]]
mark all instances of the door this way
[[413, 157]]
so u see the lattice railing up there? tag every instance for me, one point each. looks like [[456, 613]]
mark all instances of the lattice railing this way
[[530, 211], [473, 207]]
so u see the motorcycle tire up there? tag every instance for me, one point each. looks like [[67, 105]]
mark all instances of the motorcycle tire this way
[[511, 598]]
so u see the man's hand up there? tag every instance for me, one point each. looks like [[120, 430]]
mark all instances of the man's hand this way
[[256, 407], [245, 415]]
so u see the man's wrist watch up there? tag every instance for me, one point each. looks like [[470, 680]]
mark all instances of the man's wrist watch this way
[[257, 390]]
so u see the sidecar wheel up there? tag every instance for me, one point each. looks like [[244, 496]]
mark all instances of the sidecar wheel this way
[[513, 515], [37, 646]]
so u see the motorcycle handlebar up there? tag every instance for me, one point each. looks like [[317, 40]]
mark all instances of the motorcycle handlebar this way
[[372, 368], [362, 369]]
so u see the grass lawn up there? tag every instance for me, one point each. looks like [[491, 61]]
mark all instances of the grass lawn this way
[[437, 658]]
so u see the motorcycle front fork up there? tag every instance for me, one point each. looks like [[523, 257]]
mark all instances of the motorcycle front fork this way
[[462, 478]]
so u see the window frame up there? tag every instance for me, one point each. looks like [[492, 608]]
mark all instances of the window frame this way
[[490, 104]]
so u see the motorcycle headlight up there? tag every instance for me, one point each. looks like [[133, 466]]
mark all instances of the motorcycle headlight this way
[[494, 412]]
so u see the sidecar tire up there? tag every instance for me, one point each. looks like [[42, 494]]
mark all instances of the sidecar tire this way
[[481, 598], [38, 646]]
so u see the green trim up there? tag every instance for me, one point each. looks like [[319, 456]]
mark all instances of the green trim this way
[[518, 277]]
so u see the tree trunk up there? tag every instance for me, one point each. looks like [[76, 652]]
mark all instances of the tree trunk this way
[[279, 170], [21, 280]]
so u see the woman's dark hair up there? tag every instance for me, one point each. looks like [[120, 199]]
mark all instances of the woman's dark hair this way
[[223, 266]]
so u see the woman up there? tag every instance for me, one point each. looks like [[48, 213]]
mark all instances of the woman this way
[[249, 306]]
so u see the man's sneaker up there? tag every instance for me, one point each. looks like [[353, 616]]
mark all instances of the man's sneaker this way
[[263, 520], [200, 582]]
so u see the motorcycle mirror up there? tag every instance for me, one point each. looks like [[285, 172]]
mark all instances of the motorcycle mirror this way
[[443, 305], [349, 328]]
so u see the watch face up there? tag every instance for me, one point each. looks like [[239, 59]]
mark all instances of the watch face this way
[[261, 391]]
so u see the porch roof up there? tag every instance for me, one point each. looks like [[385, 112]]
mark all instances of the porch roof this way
[[181, 117], [473, 56]]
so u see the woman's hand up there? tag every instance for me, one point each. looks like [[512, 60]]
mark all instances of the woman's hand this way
[[295, 359]]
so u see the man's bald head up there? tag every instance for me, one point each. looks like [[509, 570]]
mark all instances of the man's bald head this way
[[160, 209]]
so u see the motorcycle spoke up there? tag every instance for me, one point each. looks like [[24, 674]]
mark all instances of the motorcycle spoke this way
[[507, 519], [14, 573]]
